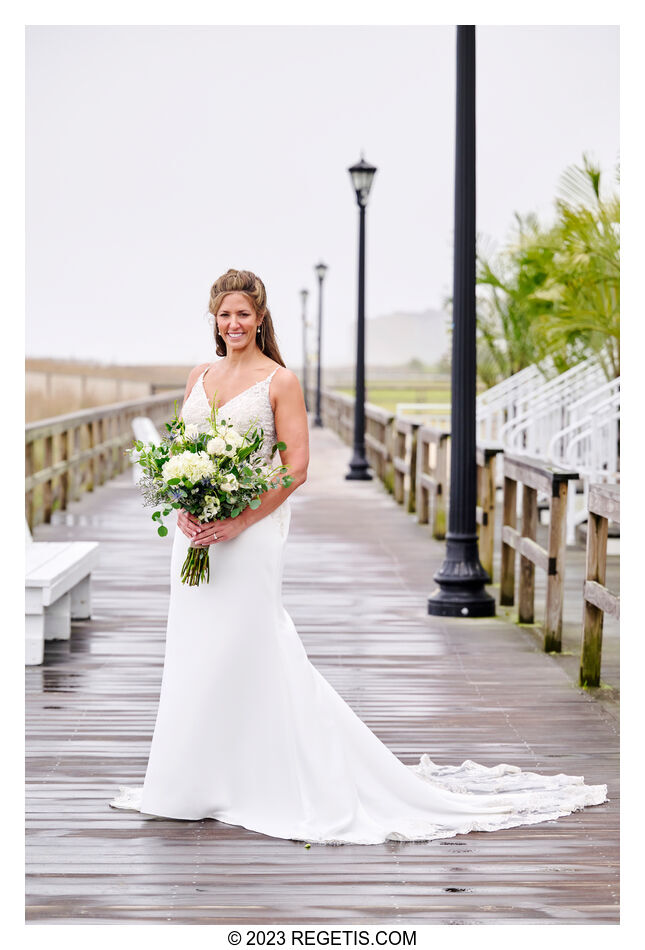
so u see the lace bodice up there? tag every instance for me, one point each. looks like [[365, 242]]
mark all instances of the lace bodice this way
[[250, 406]]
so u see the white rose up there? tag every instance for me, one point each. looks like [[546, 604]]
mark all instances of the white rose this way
[[229, 483], [216, 446], [234, 438], [191, 431]]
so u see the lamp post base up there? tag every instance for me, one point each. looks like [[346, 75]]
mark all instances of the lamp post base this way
[[358, 470], [318, 421], [461, 580]]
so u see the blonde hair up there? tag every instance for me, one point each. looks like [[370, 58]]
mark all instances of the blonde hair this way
[[245, 282]]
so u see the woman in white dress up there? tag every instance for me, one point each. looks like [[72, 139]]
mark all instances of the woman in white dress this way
[[248, 731]]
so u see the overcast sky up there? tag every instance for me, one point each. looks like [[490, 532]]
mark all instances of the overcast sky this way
[[158, 157]]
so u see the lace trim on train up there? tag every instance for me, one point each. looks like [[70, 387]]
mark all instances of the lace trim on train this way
[[525, 798]]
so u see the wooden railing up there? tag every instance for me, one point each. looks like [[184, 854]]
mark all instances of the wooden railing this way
[[68, 455], [433, 447], [337, 410], [378, 442], [404, 462], [535, 476], [604, 505], [485, 511]]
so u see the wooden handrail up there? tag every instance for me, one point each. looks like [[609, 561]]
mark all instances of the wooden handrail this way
[[535, 475], [432, 478], [404, 461], [603, 506], [485, 511], [67, 455]]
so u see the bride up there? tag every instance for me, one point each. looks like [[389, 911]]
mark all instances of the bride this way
[[248, 732]]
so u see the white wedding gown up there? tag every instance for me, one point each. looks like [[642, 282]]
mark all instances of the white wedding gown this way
[[250, 733]]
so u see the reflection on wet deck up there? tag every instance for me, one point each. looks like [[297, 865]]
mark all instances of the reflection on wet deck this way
[[357, 575]]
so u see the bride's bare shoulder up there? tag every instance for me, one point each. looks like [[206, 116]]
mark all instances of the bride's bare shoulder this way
[[286, 384], [193, 376]]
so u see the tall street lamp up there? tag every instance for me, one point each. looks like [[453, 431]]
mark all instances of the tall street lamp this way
[[461, 577], [362, 174], [304, 294], [321, 270]]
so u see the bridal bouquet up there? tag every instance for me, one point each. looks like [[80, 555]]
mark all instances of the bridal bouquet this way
[[212, 471]]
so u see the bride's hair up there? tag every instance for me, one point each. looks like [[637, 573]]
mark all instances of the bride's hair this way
[[244, 282]]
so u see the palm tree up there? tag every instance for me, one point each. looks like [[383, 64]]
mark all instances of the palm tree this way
[[507, 305], [583, 284], [555, 291]]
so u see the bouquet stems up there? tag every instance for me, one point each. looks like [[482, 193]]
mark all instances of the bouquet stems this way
[[196, 567]]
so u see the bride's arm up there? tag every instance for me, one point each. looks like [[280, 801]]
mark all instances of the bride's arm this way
[[291, 428]]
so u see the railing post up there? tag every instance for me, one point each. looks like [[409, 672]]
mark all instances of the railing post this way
[[526, 597], [439, 514], [64, 478], [422, 494], [47, 486], [101, 458], [509, 517], [122, 426], [486, 490], [29, 495], [412, 492], [399, 440], [92, 462], [77, 475], [592, 624], [555, 575]]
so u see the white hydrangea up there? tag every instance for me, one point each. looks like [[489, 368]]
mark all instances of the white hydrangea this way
[[193, 465]]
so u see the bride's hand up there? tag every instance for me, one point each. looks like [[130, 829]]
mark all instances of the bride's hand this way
[[187, 523], [226, 529]]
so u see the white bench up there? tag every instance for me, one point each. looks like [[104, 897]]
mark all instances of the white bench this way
[[57, 590], [144, 431]]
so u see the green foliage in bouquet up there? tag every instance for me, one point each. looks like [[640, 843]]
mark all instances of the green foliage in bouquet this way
[[213, 472]]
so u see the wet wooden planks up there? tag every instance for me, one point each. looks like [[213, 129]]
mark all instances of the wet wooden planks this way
[[357, 575]]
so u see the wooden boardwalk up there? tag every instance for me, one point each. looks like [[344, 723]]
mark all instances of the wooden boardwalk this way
[[357, 576]]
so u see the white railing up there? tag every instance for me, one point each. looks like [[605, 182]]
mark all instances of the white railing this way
[[590, 444], [543, 412], [570, 419], [500, 403]]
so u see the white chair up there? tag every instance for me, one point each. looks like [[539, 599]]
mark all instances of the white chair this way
[[57, 590], [144, 431]]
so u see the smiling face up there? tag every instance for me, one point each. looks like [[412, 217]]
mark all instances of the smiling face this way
[[237, 321]]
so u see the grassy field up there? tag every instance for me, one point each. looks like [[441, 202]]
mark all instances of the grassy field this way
[[387, 398]]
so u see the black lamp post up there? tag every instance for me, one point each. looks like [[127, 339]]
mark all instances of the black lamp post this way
[[461, 577], [321, 270], [304, 294], [362, 174]]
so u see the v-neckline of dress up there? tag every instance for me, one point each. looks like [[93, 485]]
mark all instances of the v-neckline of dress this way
[[237, 395]]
